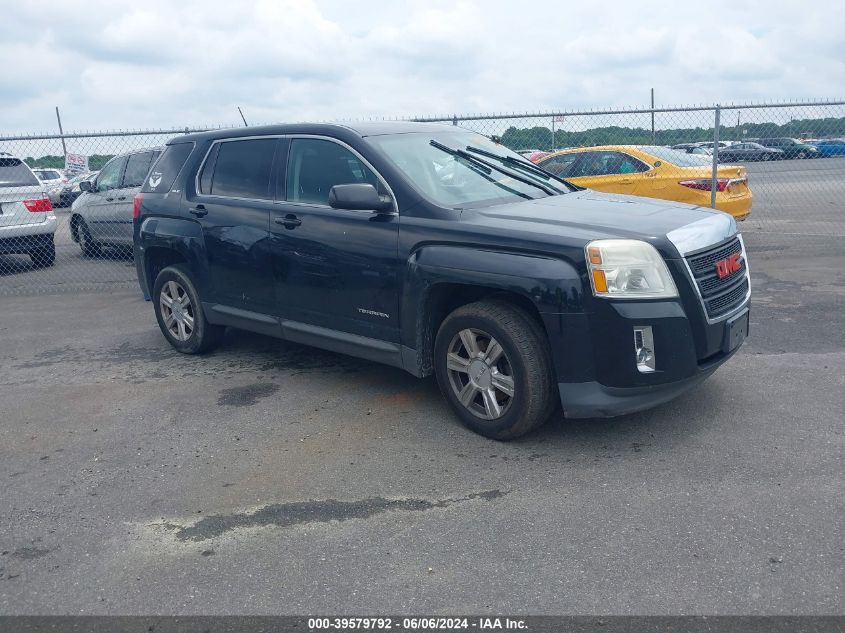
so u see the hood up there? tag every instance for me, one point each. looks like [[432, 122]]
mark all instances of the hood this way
[[588, 215]]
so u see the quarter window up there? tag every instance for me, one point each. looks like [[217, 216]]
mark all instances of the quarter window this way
[[242, 169], [137, 166], [316, 165]]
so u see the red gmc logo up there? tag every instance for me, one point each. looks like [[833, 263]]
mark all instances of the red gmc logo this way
[[729, 265]]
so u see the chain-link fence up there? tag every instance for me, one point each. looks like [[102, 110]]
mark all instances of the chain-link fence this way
[[778, 167]]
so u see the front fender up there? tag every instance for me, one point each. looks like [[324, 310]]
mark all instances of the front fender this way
[[552, 285]]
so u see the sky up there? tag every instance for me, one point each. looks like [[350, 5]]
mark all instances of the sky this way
[[160, 64]]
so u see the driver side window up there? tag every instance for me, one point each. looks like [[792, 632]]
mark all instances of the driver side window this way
[[559, 165], [110, 176], [316, 165]]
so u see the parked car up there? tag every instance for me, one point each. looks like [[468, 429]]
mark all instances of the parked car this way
[[702, 149], [439, 251], [749, 152], [791, 148], [53, 181], [830, 147], [102, 215], [653, 172], [27, 221], [71, 191]]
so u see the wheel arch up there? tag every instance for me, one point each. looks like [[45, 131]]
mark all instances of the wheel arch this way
[[441, 279]]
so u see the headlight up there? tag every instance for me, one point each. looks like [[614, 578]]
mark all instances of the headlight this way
[[628, 269]]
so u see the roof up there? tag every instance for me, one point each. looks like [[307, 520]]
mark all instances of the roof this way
[[362, 128]]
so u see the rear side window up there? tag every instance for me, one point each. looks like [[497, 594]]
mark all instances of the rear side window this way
[[137, 167], [166, 168], [47, 174], [242, 169], [15, 173]]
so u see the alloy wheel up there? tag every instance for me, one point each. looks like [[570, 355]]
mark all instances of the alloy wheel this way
[[177, 311], [480, 374]]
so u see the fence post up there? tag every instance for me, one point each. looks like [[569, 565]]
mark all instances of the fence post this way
[[713, 179], [62, 134]]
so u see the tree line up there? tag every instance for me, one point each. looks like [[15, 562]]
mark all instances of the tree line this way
[[540, 137]]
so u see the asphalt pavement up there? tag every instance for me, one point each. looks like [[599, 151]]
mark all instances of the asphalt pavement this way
[[271, 478]]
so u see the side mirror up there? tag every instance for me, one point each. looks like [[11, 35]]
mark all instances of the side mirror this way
[[358, 197], [86, 185]]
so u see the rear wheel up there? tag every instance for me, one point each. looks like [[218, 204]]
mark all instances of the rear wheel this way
[[765, 157], [180, 315], [493, 367], [89, 247], [802, 154], [44, 256]]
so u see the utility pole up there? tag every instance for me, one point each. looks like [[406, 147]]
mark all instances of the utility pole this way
[[62, 134]]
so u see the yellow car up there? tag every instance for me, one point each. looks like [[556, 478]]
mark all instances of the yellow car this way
[[653, 172]]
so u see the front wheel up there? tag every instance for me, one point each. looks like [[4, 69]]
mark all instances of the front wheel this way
[[180, 315], [89, 247], [493, 367]]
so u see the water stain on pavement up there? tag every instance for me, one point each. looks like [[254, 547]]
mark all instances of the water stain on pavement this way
[[247, 395], [302, 512], [28, 553]]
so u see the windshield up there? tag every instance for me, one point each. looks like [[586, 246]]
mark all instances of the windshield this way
[[682, 159], [459, 182]]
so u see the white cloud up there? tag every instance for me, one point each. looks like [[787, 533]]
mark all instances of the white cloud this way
[[159, 63]]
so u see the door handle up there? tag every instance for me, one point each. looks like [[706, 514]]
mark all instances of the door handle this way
[[626, 181], [109, 199], [290, 221], [199, 211], [122, 198]]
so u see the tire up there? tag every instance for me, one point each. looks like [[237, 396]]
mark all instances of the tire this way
[[766, 157], [45, 256], [89, 247], [523, 367], [801, 155], [184, 327]]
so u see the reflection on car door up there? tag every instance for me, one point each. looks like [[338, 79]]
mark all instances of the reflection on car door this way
[[334, 268], [98, 206]]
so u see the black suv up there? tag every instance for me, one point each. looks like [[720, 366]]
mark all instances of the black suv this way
[[438, 250]]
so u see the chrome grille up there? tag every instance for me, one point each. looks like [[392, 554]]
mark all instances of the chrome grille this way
[[719, 295]]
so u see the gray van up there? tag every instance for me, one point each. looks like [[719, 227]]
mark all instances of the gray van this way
[[102, 215]]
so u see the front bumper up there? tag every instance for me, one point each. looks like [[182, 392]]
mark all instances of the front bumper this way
[[594, 355], [594, 400]]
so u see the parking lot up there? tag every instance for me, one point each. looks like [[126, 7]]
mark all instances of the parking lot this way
[[274, 478], [799, 198]]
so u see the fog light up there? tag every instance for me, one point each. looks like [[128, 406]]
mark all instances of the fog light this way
[[644, 349]]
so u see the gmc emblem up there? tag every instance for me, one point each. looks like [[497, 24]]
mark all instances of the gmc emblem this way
[[729, 265]]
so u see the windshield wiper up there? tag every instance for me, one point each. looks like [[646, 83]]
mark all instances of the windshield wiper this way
[[548, 189], [524, 165]]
